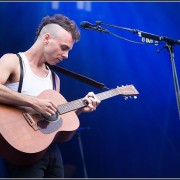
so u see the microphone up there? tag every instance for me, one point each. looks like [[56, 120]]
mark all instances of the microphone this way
[[86, 25]]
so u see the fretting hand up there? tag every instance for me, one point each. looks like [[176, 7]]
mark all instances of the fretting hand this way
[[92, 103]]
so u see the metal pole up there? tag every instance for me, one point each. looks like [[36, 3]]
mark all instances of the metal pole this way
[[82, 155]]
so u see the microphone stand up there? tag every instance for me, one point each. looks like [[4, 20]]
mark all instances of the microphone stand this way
[[170, 49], [169, 46], [81, 149]]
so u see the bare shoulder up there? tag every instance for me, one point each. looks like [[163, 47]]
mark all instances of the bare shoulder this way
[[9, 57], [9, 68], [9, 60]]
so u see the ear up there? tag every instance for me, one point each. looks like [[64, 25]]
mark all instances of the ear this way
[[47, 36]]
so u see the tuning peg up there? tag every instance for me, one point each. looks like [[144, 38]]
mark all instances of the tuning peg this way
[[125, 97], [135, 97]]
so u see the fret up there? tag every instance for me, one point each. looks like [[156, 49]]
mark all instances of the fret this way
[[70, 106], [107, 94]]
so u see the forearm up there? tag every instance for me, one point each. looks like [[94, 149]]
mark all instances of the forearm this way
[[8, 96], [41, 105]]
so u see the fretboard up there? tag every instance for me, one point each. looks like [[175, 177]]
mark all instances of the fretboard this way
[[76, 104]]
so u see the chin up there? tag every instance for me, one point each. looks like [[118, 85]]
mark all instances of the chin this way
[[52, 63]]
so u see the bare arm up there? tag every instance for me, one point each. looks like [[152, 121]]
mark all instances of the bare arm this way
[[10, 70]]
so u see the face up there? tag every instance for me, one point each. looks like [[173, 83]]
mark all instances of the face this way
[[57, 46]]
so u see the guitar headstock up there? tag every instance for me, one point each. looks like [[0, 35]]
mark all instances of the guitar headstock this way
[[128, 91]]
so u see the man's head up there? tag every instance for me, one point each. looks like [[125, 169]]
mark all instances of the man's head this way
[[63, 21], [57, 35]]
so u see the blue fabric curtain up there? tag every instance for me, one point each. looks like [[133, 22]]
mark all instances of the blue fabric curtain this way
[[134, 138]]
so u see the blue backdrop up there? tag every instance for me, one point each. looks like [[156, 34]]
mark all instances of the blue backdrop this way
[[125, 138]]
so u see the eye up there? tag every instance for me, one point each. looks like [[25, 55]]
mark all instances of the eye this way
[[64, 48]]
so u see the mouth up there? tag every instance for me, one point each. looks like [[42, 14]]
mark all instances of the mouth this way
[[59, 59]]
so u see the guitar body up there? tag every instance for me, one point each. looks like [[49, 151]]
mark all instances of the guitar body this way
[[25, 135]]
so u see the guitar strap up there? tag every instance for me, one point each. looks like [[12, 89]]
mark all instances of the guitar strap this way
[[22, 74], [78, 76]]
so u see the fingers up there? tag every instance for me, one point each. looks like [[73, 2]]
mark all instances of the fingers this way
[[51, 109], [45, 107], [92, 101]]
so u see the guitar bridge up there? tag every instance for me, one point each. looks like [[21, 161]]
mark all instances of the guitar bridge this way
[[30, 120]]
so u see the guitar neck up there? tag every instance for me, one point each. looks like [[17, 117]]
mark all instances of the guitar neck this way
[[107, 94], [76, 104]]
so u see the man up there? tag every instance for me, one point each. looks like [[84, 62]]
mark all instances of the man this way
[[56, 36]]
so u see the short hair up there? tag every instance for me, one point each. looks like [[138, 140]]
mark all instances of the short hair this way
[[63, 21]]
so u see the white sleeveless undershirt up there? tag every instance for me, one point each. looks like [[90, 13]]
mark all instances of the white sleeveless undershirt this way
[[32, 84]]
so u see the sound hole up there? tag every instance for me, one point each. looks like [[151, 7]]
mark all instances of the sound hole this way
[[51, 118]]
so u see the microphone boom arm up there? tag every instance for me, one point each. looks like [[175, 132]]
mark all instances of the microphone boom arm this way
[[144, 34]]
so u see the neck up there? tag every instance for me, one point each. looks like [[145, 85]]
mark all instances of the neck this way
[[34, 55]]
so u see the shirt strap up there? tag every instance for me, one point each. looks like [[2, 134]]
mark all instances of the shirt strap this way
[[21, 74]]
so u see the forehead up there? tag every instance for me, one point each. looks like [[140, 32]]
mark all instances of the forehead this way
[[62, 36]]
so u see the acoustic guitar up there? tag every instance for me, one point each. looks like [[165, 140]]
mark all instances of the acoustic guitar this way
[[26, 135]]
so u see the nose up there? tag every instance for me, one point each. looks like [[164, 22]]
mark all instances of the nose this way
[[65, 55]]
